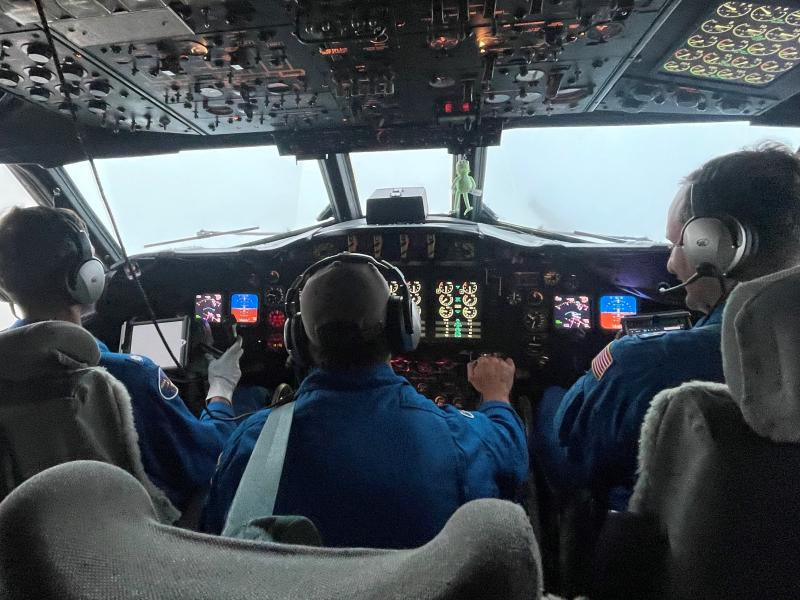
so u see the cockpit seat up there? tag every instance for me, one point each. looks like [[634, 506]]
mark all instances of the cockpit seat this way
[[88, 530], [719, 464], [57, 405]]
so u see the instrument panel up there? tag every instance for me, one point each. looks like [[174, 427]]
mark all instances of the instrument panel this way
[[551, 308]]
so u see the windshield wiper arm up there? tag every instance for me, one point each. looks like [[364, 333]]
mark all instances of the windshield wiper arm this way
[[542, 233], [620, 239], [203, 234]]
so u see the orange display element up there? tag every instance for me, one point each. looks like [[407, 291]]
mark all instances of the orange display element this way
[[244, 308]]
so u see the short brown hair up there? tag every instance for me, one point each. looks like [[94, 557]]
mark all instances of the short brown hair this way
[[37, 251]]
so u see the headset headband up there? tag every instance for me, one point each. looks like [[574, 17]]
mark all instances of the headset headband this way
[[356, 258]]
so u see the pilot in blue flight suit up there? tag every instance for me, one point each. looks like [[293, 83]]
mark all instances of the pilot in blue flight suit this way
[[370, 461], [587, 437], [47, 268]]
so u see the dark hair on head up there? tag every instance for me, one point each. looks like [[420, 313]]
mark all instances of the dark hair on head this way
[[345, 346], [761, 189], [37, 250]]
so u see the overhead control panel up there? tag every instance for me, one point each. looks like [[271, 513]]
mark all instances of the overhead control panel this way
[[320, 76]]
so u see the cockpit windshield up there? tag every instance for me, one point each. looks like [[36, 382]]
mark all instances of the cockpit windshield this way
[[164, 201], [611, 181]]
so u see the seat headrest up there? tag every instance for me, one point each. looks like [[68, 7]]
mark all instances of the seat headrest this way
[[761, 353], [39, 349]]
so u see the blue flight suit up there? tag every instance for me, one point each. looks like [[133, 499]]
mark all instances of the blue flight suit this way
[[373, 463], [587, 437], [179, 451]]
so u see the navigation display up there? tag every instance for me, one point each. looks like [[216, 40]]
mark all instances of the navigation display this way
[[244, 308], [458, 309], [208, 307], [614, 308], [572, 312]]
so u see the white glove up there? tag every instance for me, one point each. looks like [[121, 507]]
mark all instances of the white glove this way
[[224, 372]]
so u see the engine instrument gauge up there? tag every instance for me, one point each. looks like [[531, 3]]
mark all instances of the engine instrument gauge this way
[[535, 321], [273, 295], [458, 312], [743, 42]]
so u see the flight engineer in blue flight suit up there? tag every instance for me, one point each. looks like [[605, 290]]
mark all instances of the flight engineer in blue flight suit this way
[[370, 461], [587, 436], [38, 250]]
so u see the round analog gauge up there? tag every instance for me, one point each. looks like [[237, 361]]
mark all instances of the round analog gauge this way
[[732, 45], [445, 300], [761, 49], [470, 313], [769, 13], [551, 278], [687, 54], [535, 320], [415, 287], [745, 62], [444, 287], [712, 58], [445, 312], [790, 53], [394, 287], [703, 70], [514, 298], [703, 41], [746, 30], [273, 295], [469, 287], [779, 34], [536, 297], [571, 282], [714, 26], [674, 66], [416, 299], [759, 78], [775, 67], [730, 74], [793, 19], [734, 9], [469, 300]]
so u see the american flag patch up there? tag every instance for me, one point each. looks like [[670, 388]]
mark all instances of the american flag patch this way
[[601, 362]]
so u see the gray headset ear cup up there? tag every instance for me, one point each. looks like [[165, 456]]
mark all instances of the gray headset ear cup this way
[[296, 341], [399, 339], [712, 241], [88, 283]]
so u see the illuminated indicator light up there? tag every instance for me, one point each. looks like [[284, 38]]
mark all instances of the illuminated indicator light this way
[[333, 51], [276, 319], [275, 341], [758, 44], [448, 108], [466, 107]]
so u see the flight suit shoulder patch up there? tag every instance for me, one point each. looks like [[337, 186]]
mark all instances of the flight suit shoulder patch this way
[[168, 390], [602, 362]]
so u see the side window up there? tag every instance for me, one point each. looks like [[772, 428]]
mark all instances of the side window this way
[[11, 194]]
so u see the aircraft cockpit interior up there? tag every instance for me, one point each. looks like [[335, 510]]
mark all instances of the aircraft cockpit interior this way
[[514, 159]]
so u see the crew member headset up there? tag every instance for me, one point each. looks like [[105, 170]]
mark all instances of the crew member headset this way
[[86, 278], [715, 244], [402, 325]]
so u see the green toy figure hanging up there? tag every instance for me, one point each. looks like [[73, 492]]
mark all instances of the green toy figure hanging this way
[[463, 186]]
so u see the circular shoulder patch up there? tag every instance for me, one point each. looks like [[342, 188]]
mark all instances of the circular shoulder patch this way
[[467, 414], [136, 358], [169, 391]]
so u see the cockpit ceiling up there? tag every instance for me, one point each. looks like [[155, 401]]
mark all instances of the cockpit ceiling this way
[[320, 76]]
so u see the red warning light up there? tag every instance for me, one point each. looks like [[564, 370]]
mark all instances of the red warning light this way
[[276, 319], [448, 108], [466, 107]]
